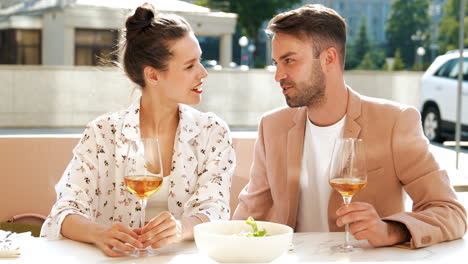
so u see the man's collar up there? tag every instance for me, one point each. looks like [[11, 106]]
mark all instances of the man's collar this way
[[354, 104]]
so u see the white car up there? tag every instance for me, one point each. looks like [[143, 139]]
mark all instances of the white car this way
[[439, 86]]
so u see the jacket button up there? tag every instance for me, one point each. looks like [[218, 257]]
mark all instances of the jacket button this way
[[426, 239]]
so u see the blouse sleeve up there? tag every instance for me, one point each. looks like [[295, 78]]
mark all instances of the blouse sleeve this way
[[211, 196], [77, 189]]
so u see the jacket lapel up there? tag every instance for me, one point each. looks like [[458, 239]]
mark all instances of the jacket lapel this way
[[353, 112], [352, 129], [295, 147]]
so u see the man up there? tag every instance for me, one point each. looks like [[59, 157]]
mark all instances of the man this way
[[288, 181]]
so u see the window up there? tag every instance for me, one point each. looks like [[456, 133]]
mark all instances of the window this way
[[445, 69], [95, 47], [20, 46], [454, 72]]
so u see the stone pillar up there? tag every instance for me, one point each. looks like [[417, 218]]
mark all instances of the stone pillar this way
[[225, 50]]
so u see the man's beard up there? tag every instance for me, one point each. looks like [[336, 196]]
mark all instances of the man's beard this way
[[310, 93]]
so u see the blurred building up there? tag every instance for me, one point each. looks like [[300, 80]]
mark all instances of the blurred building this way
[[436, 12], [80, 32], [375, 13]]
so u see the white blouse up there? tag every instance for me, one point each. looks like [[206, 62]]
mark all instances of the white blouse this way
[[93, 186]]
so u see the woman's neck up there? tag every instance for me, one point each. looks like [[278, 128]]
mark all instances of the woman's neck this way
[[157, 117]]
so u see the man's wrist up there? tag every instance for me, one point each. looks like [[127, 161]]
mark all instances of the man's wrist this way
[[398, 232]]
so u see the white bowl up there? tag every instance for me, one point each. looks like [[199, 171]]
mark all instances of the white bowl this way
[[219, 241]]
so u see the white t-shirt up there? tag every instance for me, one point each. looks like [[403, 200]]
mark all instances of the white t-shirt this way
[[312, 214], [157, 203]]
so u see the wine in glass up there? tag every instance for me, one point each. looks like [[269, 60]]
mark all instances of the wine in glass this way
[[347, 175], [144, 176]]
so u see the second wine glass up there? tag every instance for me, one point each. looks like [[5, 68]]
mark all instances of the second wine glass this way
[[144, 176], [347, 175]]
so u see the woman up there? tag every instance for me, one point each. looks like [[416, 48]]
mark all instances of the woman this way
[[162, 56]]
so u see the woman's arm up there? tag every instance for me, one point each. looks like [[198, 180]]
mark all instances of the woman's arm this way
[[79, 228]]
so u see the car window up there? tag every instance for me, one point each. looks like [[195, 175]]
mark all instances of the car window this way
[[455, 68], [446, 68]]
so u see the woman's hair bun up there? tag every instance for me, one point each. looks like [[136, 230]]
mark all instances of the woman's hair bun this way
[[140, 20]]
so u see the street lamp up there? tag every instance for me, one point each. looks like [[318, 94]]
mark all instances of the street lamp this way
[[243, 42], [421, 51], [251, 49], [418, 38]]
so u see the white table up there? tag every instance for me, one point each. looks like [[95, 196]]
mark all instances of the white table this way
[[308, 247]]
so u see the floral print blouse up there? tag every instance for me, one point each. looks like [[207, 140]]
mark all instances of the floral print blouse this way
[[93, 183]]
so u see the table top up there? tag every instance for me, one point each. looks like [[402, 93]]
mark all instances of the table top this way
[[308, 247]]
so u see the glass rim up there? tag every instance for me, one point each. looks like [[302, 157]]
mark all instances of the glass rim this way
[[144, 175], [351, 139]]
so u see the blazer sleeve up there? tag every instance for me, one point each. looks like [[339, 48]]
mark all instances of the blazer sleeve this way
[[255, 199], [436, 215], [76, 190]]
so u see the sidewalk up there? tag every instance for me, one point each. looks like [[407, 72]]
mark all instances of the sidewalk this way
[[446, 158], [458, 178]]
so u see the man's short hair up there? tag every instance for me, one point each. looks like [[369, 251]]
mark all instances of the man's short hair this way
[[322, 25]]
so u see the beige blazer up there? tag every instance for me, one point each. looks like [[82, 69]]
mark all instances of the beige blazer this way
[[398, 160]]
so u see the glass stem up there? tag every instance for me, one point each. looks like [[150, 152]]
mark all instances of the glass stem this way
[[347, 201], [143, 212]]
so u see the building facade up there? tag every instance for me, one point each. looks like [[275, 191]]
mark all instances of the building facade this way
[[375, 13], [82, 32]]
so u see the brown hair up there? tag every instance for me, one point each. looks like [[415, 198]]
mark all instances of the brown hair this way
[[147, 40], [318, 23]]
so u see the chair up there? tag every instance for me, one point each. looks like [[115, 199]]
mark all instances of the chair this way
[[28, 222]]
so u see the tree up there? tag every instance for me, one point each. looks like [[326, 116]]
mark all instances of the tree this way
[[362, 44], [398, 64], [251, 13], [449, 26], [405, 19], [367, 63]]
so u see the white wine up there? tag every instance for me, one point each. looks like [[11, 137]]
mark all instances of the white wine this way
[[143, 186], [347, 186]]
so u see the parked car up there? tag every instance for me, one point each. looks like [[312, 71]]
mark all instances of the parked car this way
[[439, 88]]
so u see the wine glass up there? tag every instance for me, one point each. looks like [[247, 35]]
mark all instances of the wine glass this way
[[348, 174], [143, 177]]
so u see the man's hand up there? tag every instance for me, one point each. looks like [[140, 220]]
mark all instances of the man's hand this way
[[365, 223], [160, 231]]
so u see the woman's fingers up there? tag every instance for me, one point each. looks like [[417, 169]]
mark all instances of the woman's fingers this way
[[117, 239], [114, 243], [110, 252], [156, 221], [153, 233], [165, 241], [168, 232], [126, 238]]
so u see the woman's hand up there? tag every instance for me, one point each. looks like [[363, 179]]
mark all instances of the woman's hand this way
[[116, 236], [160, 231]]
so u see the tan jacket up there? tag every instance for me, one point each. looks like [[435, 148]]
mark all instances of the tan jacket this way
[[397, 155]]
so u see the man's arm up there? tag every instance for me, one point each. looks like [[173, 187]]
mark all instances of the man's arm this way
[[436, 216], [255, 199]]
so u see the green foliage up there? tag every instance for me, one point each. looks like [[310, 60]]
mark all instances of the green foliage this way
[[449, 26], [361, 45], [405, 18], [367, 63], [351, 62], [398, 65], [251, 13]]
